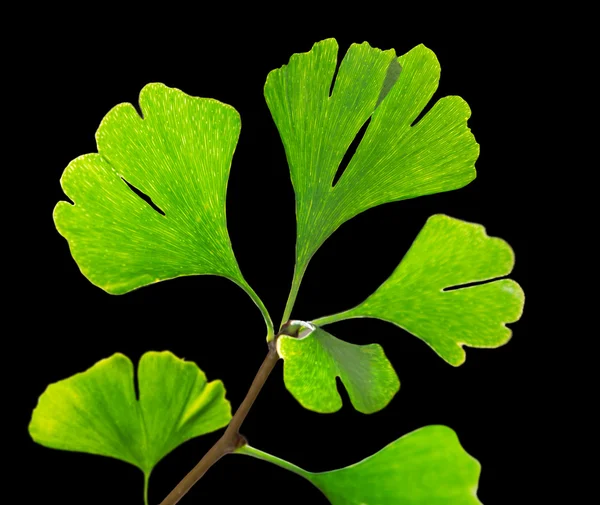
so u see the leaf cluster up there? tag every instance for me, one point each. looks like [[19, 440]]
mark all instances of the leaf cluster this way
[[449, 289]]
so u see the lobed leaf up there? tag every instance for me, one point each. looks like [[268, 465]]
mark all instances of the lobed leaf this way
[[97, 411], [312, 363], [395, 160], [426, 296], [178, 154], [425, 467]]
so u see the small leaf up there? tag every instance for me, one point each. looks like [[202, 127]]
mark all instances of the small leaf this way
[[97, 411], [395, 160], [312, 363], [424, 294], [425, 467], [150, 205]]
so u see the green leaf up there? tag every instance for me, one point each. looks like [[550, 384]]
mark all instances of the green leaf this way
[[421, 295], [425, 467], [312, 363], [395, 160], [179, 155], [97, 411]]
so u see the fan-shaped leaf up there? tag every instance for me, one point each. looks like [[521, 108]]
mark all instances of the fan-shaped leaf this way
[[179, 155], [395, 160], [97, 411], [421, 295], [425, 467], [312, 363]]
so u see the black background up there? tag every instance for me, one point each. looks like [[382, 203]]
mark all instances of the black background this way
[[72, 75]]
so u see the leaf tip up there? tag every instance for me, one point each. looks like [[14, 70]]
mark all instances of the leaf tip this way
[[516, 291], [296, 56], [423, 52], [457, 357]]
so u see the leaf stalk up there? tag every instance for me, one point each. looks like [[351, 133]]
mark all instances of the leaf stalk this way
[[257, 453], [334, 318], [298, 275]]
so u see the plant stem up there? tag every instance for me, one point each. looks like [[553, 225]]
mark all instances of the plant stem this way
[[257, 384], [231, 439], [334, 318]]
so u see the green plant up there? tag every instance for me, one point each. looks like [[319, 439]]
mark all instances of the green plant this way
[[179, 154]]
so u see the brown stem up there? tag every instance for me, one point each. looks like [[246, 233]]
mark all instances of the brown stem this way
[[231, 439]]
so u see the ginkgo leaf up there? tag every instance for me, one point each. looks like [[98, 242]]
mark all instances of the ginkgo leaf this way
[[395, 160], [426, 295], [425, 467], [178, 154], [312, 363], [97, 411]]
